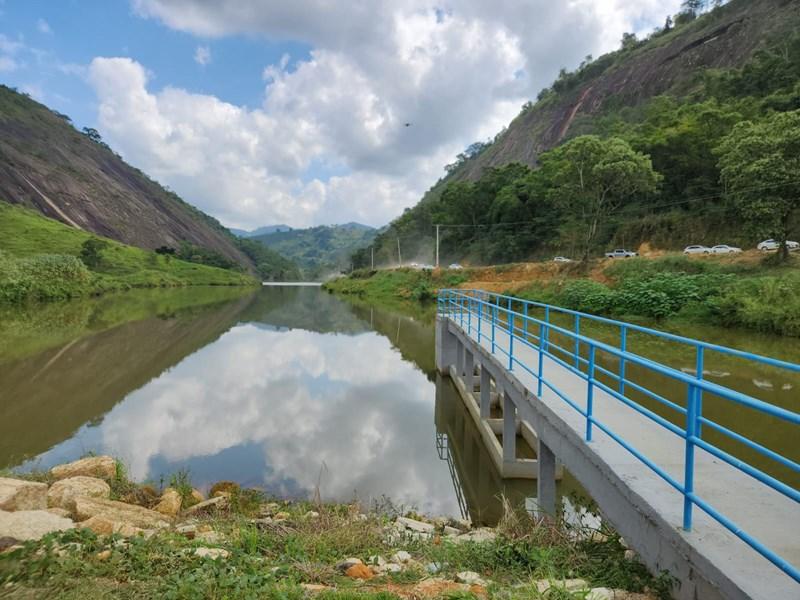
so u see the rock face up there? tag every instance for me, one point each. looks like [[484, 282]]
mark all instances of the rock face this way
[[170, 503], [118, 512], [62, 493], [16, 494], [103, 467], [31, 524]]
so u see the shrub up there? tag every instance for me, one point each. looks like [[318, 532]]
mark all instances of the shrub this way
[[586, 295], [42, 277]]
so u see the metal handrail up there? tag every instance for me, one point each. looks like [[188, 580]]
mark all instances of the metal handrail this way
[[463, 305]]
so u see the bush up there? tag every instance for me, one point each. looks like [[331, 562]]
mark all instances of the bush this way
[[42, 277], [666, 294], [770, 304], [586, 295]]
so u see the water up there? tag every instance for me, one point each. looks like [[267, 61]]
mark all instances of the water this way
[[288, 389]]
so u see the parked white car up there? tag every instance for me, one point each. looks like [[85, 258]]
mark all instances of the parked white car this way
[[697, 250], [455, 267], [768, 245], [725, 249], [620, 253], [563, 259]]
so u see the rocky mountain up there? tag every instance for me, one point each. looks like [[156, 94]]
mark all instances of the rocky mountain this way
[[46, 164]]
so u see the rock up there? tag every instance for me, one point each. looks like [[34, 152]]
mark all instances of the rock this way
[[119, 512], [61, 512], [347, 563], [262, 523], [228, 487], [470, 578], [401, 557], [391, 568], [415, 525], [623, 543], [170, 503], [216, 503], [570, 585], [630, 555], [62, 493], [359, 571], [312, 514], [195, 497], [282, 516], [188, 530], [433, 568], [6, 543], [103, 467], [451, 531], [16, 494], [482, 534], [31, 524], [103, 556], [212, 553], [377, 561], [105, 526]]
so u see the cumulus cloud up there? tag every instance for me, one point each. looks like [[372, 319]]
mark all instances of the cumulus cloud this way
[[456, 71], [202, 55]]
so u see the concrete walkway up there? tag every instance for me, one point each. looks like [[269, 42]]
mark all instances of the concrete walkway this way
[[760, 511]]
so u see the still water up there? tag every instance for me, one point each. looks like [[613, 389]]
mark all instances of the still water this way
[[288, 389]]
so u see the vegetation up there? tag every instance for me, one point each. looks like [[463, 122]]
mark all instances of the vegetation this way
[[395, 286], [43, 259], [719, 149], [270, 265], [285, 555]]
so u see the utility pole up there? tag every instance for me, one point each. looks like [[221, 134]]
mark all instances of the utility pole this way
[[437, 245], [372, 256], [399, 258]]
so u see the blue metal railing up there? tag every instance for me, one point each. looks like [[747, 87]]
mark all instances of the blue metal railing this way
[[512, 317]]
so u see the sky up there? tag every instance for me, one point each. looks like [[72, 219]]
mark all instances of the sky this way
[[265, 111]]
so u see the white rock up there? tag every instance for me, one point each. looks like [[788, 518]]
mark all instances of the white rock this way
[[312, 514], [392, 568], [16, 494], [600, 594], [470, 578], [212, 553], [31, 524], [401, 556], [376, 560], [450, 531], [415, 525], [571, 585], [482, 534], [62, 493], [103, 467], [630, 555], [433, 568]]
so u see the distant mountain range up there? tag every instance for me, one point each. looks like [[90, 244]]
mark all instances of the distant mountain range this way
[[318, 251], [242, 233]]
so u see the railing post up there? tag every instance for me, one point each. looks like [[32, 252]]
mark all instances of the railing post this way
[[469, 316], [486, 394], [541, 359], [509, 429], [547, 320], [577, 341], [700, 365], [590, 393], [688, 475], [494, 323], [623, 346], [510, 342], [480, 318], [525, 319], [461, 311]]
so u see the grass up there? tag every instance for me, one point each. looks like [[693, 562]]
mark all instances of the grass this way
[[397, 286], [39, 261], [273, 560]]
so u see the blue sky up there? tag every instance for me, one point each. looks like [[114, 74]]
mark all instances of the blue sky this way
[[259, 111]]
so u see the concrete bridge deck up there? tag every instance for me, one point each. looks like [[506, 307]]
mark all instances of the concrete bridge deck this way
[[709, 561]]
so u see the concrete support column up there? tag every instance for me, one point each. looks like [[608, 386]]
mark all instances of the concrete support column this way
[[546, 482], [509, 429], [460, 358], [446, 346], [486, 393], [469, 371]]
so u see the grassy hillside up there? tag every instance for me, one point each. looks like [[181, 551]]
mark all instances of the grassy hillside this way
[[322, 250], [673, 98], [39, 260]]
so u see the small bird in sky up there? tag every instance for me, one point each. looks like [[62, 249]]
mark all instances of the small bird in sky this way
[[408, 124]]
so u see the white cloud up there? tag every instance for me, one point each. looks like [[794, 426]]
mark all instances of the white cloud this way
[[7, 64], [43, 26], [202, 55], [457, 71]]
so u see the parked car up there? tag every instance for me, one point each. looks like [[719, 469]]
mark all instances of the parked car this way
[[768, 245], [562, 259], [725, 249], [697, 250], [620, 253], [455, 267]]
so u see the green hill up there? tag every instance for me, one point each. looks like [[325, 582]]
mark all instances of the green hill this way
[[319, 251], [40, 259], [671, 99]]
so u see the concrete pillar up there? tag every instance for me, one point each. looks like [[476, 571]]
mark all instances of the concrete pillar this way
[[469, 371], [546, 482], [509, 429], [446, 346], [486, 393]]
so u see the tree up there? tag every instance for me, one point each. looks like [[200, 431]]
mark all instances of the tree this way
[[759, 163], [92, 252], [591, 177], [629, 41], [93, 134]]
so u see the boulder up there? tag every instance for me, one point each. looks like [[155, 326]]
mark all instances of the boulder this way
[[195, 497], [415, 525], [118, 512], [61, 512], [104, 526], [170, 503], [31, 524], [359, 571], [62, 493], [103, 467], [16, 494], [218, 502]]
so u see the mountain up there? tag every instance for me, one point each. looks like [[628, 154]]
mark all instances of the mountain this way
[[242, 233], [672, 97], [74, 177], [320, 250]]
